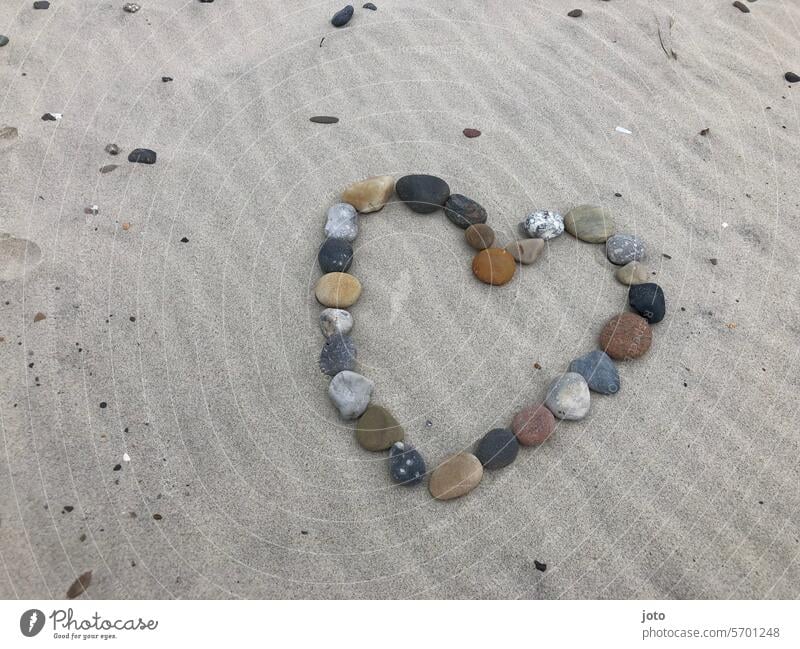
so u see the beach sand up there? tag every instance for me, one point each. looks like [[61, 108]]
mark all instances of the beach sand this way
[[684, 485]]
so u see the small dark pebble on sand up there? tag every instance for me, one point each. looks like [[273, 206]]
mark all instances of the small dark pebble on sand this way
[[666, 256], [117, 467], [108, 169], [791, 77], [158, 517], [617, 194], [741, 6], [41, 4], [184, 240], [471, 132], [166, 79], [343, 16], [112, 149], [80, 585], [323, 119], [145, 156], [103, 404], [3, 40], [704, 132], [49, 117], [68, 508], [575, 13], [370, 6], [541, 567], [713, 261]]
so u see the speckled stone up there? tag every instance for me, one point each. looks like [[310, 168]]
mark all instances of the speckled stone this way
[[626, 336], [463, 211], [342, 222], [526, 251], [455, 477], [335, 256], [543, 224], [338, 290], [350, 393], [479, 236], [568, 397], [343, 16], [533, 425], [494, 266], [338, 354], [369, 195], [648, 301], [406, 465], [422, 193], [622, 249], [497, 449], [633, 272], [335, 321], [377, 429], [589, 223], [599, 371]]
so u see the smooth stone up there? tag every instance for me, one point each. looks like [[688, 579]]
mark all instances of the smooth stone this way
[[494, 266], [3, 40], [575, 13], [526, 251], [463, 211], [599, 371], [471, 132], [626, 336], [335, 256], [112, 149], [406, 465], [377, 429], [343, 16], [622, 249], [479, 236], [422, 193], [342, 222], [741, 6], [338, 354], [131, 7], [350, 393], [338, 290], [455, 477], [369, 195], [145, 156], [543, 224], [568, 397], [497, 449], [49, 117], [41, 4], [369, 6], [648, 301], [335, 322], [324, 119], [589, 223], [533, 425], [791, 77], [633, 272]]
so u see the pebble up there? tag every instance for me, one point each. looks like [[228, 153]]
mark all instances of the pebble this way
[[568, 397], [471, 132], [455, 477], [107, 168], [342, 222], [350, 393], [622, 249], [791, 77], [145, 156], [494, 266], [575, 13], [422, 193], [589, 223], [323, 119], [463, 211], [370, 6], [648, 301], [533, 425], [3, 40], [131, 7], [526, 251], [369, 195], [112, 149], [479, 236], [343, 16], [378, 430], [51, 117], [41, 4], [599, 371], [338, 290], [633, 272], [166, 79], [335, 322], [406, 465], [741, 6], [338, 354], [543, 224], [497, 449], [626, 336]]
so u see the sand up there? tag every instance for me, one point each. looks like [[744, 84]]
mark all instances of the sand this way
[[684, 485]]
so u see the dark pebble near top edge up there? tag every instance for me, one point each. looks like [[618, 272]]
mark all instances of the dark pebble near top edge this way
[[323, 119], [343, 16], [370, 6], [741, 6], [41, 4]]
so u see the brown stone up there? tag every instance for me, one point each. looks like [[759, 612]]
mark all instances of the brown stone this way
[[533, 425], [494, 266], [377, 429], [337, 290], [626, 336], [369, 195], [479, 236], [39, 317], [471, 132], [526, 251], [455, 477]]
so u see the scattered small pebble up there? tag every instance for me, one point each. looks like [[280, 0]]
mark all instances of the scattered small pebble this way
[[166, 79], [92, 210], [103, 404], [117, 467], [126, 226], [791, 77], [471, 132], [9, 133], [541, 567], [713, 261], [323, 119], [158, 517], [343, 16], [741, 6], [370, 6], [131, 7], [428, 423], [107, 168], [39, 317], [704, 132], [51, 117], [3, 40], [41, 4], [622, 129], [184, 240], [145, 156], [126, 457], [575, 13], [82, 583], [112, 149]]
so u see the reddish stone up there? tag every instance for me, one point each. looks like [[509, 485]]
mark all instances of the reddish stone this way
[[533, 425], [471, 132], [626, 336], [494, 266]]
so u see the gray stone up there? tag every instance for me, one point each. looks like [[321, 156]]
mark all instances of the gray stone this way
[[589, 223], [350, 393], [622, 249], [338, 354], [599, 371], [342, 222], [335, 321], [543, 224], [568, 397]]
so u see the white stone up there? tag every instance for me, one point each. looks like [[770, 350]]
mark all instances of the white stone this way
[[342, 222], [568, 397], [543, 224], [335, 321], [350, 393]]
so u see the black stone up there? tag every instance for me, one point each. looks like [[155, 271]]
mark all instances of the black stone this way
[[648, 301], [370, 6], [422, 193], [335, 256], [741, 6], [338, 354], [206, 1], [41, 4], [3, 40], [47, 117], [791, 77], [575, 13], [406, 465], [166, 79], [498, 448], [343, 16], [323, 119], [463, 211], [541, 567], [145, 156]]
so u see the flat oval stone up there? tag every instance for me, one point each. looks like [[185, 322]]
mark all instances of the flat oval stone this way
[[343, 16], [479, 236], [324, 119], [633, 272], [622, 249], [3, 40], [568, 397], [350, 393], [626, 336], [369, 195], [463, 211], [342, 222], [335, 256], [338, 354], [422, 193], [145, 156], [543, 224], [648, 301], [471, 132], [589, 223], [494, 266], [335, 321], [377, 429], [791, 77], [338, 290], [455, 477], [526, 251], [497, 449], [533, 425], [599, 371], [406, 465]]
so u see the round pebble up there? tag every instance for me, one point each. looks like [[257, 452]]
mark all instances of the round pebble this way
[[471, 132], [648, 301], [338, 354], [589, 223], [497, 449], [494, 266], [622, 249], [335, 322], [626, 336], [455, 477], [422, 193], [342, 222], [463, 211], [369, 195], [112, 149], [406, 465], [338, 290], [343, 16], [377, 429], [633, 272], [335, 256], [543, 224], [526, 251], [145, 156], [350, 393], [575, 13], [599, 371], [533, 425], [479, 236], [568, 397]]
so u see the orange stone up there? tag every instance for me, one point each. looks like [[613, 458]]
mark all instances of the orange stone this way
[[533, 425], [494, 266], [338, 290], [626, 336]]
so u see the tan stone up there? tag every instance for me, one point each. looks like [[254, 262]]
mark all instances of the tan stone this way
[[526, 251], [377, 429], [633, 272], [369, 195], [479, 236], [494, 266], [337, 290], [455, 477]]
